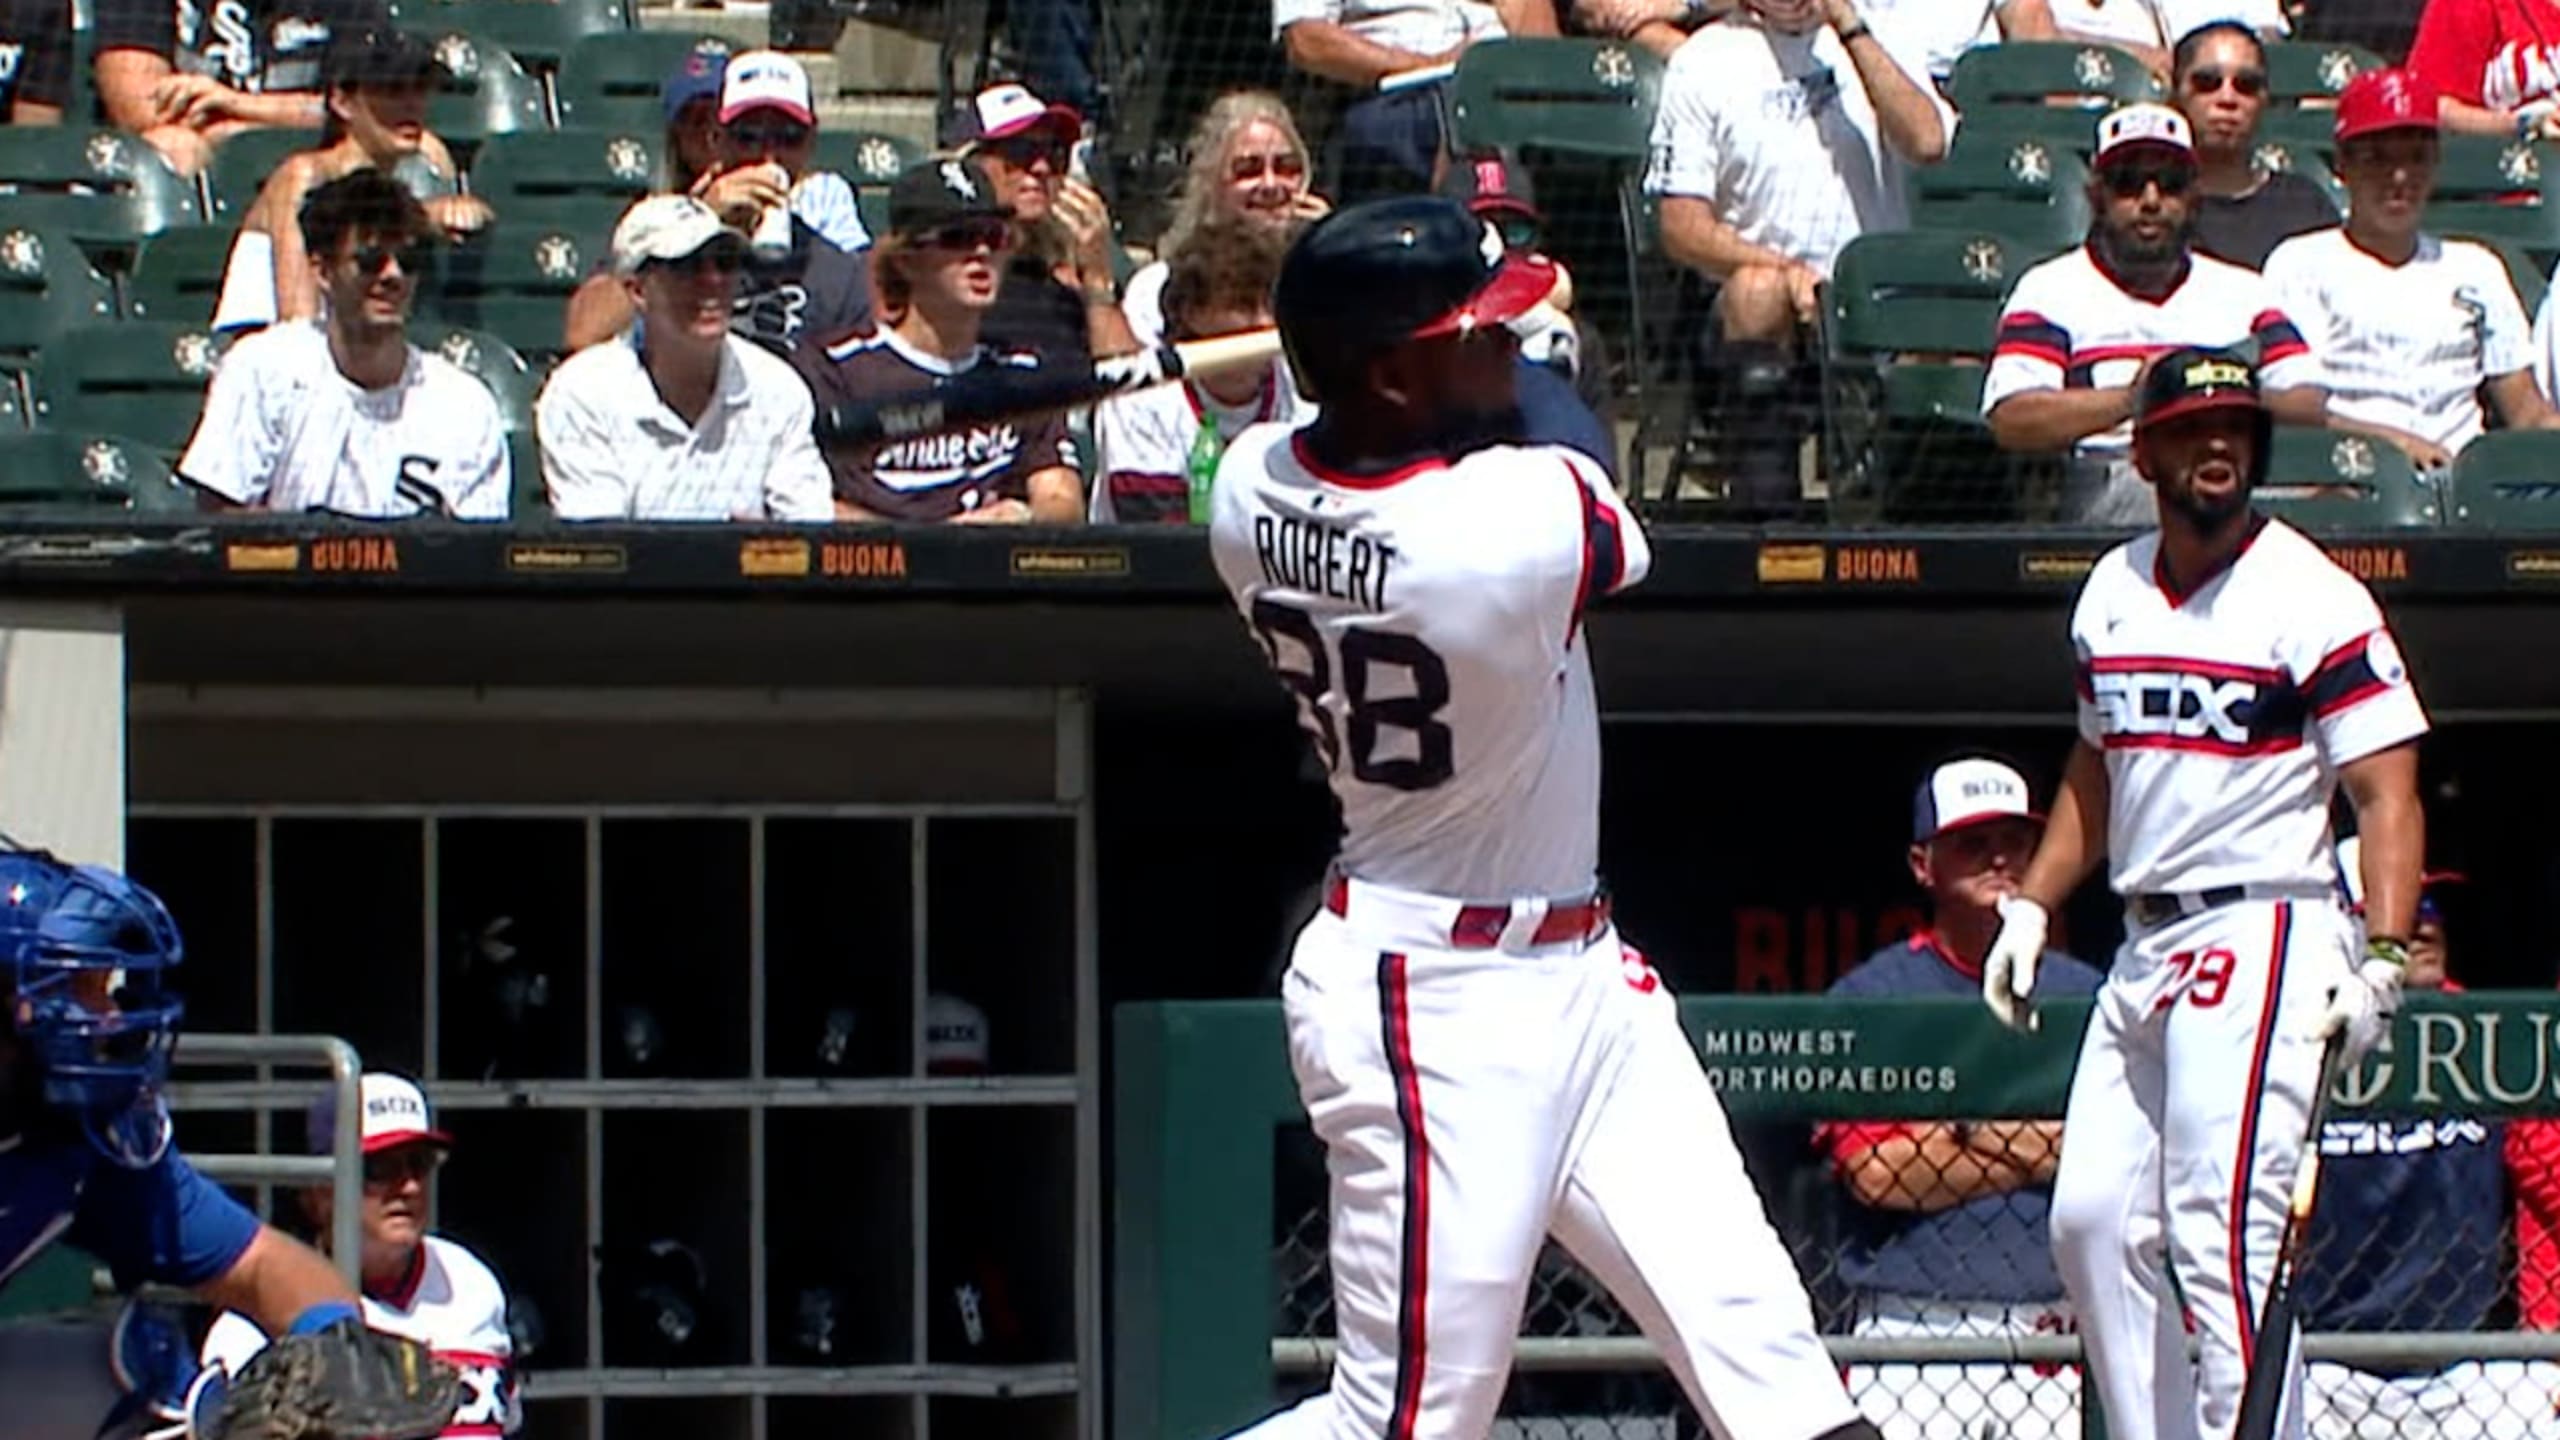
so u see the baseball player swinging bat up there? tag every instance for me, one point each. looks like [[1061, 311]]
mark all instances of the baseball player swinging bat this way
[[988, 394], [2262, 1395]]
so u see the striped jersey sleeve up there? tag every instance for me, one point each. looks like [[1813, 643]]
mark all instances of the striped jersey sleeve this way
[[2031, 350]]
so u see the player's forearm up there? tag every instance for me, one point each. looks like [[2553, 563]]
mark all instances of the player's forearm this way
[[1321, 47], [2075, 835], [2384, 789], [1926, 1171], [2046, 421], [275, 1280], [1695, 236]]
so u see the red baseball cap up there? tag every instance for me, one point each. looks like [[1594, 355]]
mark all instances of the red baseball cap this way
[[2380, 100]]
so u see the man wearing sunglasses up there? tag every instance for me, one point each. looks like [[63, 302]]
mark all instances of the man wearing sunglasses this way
[[342, 413], [2079, 330], [426, 1287], [941, 269], [2243, 209], [679, 418]]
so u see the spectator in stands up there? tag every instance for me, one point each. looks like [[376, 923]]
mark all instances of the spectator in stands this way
[[1247, 160], [186, 75], [35, 61], [2494, 63], [2412, 329], [343, 414], [379, 82], [678, 418], [1947, 1236], [1159, 447], [2078, 329], [691, 99], [940, 272], [799, 283], [1783, 134], [1498, 190], [1388, 141], [1061, 301], [2244, 210]]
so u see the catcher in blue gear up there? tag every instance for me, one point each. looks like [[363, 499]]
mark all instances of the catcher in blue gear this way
[[87, 1023]]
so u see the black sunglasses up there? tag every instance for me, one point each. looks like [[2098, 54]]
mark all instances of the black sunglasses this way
[[390, 1167], [971, 235], [373, 259], [728, 257], [2251, 83], [1024, 151], [780, 137], [2127, 182]]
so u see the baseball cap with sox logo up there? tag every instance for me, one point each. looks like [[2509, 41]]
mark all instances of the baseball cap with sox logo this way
[[395, 1114]]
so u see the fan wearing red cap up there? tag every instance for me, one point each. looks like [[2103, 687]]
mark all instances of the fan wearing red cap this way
[[2412, 329]]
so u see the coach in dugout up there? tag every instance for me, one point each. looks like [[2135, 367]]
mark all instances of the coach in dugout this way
[[1783, 134], [343, 414], [939, 272], [2078, 330], [2412, 329], [1948, 1234], [678, 418]]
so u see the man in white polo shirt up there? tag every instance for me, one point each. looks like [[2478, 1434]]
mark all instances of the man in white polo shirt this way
[[343, 414], [2078, 330], [2412, 329], [1784, 133], [678, 417], [1388, 139]]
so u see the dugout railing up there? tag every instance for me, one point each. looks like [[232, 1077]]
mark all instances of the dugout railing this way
[[1218, 1299]]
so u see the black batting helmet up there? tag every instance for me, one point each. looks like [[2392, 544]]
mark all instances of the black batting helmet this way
[[2192, 379], [1373, 276]]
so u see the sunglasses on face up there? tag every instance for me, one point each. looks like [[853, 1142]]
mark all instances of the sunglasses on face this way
[[391, 1167], [2128, 182], [374, 259], [768, 137], [2250, 83], [723, 256], [969, 237], [1282, 166], [1025, 152]]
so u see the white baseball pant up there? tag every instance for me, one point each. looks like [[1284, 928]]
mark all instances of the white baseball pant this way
[[1475, 1099], [1965, 1401], [2183, 1134]]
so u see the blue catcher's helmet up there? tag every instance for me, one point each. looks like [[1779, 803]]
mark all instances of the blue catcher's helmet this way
[[86, 955]]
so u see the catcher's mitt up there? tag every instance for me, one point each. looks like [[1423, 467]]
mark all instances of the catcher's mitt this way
[[344, 1382]]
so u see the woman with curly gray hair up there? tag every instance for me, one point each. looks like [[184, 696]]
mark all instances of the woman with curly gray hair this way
[[1248, 161]]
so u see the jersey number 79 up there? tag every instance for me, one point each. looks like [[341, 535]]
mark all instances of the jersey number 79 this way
[[1300, 658]]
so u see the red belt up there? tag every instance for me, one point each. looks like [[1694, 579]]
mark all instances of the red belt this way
[[1480, 927]]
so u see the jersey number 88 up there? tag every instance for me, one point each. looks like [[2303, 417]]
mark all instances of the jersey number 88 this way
[[1309, 674]]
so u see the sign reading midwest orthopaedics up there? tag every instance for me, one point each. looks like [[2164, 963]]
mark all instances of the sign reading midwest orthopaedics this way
[[2482, 1055]]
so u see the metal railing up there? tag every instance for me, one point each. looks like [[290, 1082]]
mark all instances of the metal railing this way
[[342, 1169]]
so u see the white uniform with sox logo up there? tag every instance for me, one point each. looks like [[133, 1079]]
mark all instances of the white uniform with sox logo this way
[[2224, 716], [1485, 1061]]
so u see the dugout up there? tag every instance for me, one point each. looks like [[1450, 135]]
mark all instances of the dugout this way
[[604, 832]]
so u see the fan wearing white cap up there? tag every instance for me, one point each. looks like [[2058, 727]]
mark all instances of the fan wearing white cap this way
[[426, 1287], [678, 418], [1947, 1234], [1061, 299], [2078, 330]]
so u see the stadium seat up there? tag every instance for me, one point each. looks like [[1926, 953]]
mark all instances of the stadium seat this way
[[2060, 126], [1907, 323], [1588, 98], [866, 158], [534, 171], [2299, 70], [487, 91], [47, 286], [63, 472], [611, 81], [102, 187], [2306, 134], [2508, 480], [513, 283], [2326, 479], [2532, 282], [529, 501], [492, 362], [177, 275], [2042, 72], [2029, 193], [241, 166], [2494, 189], [140, 379], [541, 33]]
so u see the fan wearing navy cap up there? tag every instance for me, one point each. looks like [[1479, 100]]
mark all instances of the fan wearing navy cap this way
[[1485, 1060], [1948, 1235]]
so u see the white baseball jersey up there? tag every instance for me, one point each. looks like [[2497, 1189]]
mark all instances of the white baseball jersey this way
[[1425, 27], [1777, 134], [2404, 345], [612, 450], [283, 429], [450, 1303], [1144, 440], [2067, 325], [1429, 621], [2226, 714]]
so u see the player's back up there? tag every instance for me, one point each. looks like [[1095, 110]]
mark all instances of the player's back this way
[[1428, 623]]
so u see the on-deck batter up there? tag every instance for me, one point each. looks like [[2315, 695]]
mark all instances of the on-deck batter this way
[[1484, 1060], [2231, 679]]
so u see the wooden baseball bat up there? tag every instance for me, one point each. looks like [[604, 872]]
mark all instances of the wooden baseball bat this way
[[2262, 1396], [986, 394]]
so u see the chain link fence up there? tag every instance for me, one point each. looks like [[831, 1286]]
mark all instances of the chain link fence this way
[[2428, 1279]]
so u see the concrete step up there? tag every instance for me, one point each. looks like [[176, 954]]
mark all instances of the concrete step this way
[[869, 58], [746, 26], [909, 117]]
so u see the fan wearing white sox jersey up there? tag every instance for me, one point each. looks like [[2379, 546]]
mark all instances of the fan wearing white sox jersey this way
[[2412, 329], [343, 414], [1484, 1059], [2232, 679]]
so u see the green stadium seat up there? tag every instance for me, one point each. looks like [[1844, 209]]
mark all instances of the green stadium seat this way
[[544, 167], [2493, 189], [1907, 324], [867, 159], [241, 167], [1588, 98], [487, 90], [2060, 126], [490, 361], [2028, 192], [541, 33], [2299, 70], [2306, 135], [2330, 480], [2532, 281], [2508, 480], [47, 286], [140, 379], [612, 80], [177, 275], [513, 283], [61, 472], [102, 187], [2042, 72], [530, 500]]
